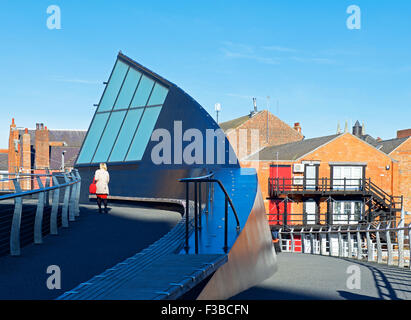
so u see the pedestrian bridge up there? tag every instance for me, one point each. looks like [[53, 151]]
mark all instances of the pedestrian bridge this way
[[148, 252]]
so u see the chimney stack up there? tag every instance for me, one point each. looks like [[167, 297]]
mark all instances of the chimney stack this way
[[42, 158], [297, 127]]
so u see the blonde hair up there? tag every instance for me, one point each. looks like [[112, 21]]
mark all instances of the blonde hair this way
[[103, 166]]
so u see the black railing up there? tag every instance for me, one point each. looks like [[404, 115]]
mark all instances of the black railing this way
[[209, 181]]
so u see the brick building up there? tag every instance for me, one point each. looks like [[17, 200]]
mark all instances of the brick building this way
[[257, 130], [337, 179], [38, 150]]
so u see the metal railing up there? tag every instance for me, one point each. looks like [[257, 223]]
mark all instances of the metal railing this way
[[209, 181], [378, 242], [69, 207]]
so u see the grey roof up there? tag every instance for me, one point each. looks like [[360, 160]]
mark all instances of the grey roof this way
[[232, 124], [388, 146], [73, 138], [293, 150], [69, 157], [4, 161]]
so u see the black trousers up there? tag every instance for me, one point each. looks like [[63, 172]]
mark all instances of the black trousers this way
[[99, 200]]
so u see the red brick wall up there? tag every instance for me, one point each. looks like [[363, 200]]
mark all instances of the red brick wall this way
[[403, 155], [279, 133]]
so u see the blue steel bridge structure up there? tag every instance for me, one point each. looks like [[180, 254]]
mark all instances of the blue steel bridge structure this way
[[220, 246]]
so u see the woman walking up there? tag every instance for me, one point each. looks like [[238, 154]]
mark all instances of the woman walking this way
[[102, 179]]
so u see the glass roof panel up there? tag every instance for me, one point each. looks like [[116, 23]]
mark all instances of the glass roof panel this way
[[143, 92], [158, 95], [127, 90]]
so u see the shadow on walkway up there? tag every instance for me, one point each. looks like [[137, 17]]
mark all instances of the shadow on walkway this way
[[91, 244]]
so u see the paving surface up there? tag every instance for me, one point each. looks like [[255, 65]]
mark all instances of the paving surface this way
[[321, 277], [93, 243]]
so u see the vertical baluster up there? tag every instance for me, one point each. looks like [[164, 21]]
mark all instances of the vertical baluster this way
[[72, 201], [280, 239], [195, 217], [16, 222], [379, 248], [370, 249], [389, 244], [292, 240], [77, 211], [55, 207], [64, 213], [359, 244], [200, 207], [38, 221], [400, 236], [350, 244], [187, 214]]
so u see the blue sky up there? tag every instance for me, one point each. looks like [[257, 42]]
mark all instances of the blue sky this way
[[300, 53]]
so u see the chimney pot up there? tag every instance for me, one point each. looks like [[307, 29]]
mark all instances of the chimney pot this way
[[26, 130]]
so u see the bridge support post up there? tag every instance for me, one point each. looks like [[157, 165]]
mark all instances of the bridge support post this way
[[303, 239], [313, 250], [340, 244], [359, 244], [280, 240], [64, 213], [379, 248], [38, 222], [400, 236], [72, 205], [330, 242], [370, 248], [389, 244], [292, 240], [47, 195], [54, 208], [350, 244], [77, 211], [15, 225], [409, 244]]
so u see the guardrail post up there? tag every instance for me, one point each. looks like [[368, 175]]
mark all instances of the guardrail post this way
[[200, 206], [280, 239], [303, 246], [389, 244], [409, 244], [330, 245], [323, 242], [350, 244], [64, 212], [207, 197], [370, 249], [38, 222], [340, 243], [77, 211], [195, 218], [359, 244], [15, 225], [400, 236], [292, 240], [47, 195], [72, 202], [313, 250], [379, 248], [55, 207], [187, 214]]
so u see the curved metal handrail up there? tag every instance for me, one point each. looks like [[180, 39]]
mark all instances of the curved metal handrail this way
[[207, 178]]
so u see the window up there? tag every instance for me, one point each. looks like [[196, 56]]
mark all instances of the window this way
[[128, 89], [93, 136], [125, 119], [348, 177], [143, 133], [158, 95], [113, 87], [109, 136], [143, 92], [347, 212], [126, 135]]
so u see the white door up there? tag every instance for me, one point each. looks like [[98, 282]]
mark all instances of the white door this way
[[310, 177], [310, 210]]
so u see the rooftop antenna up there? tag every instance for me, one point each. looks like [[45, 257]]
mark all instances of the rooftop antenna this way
[[217, 108], [268, 114]]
